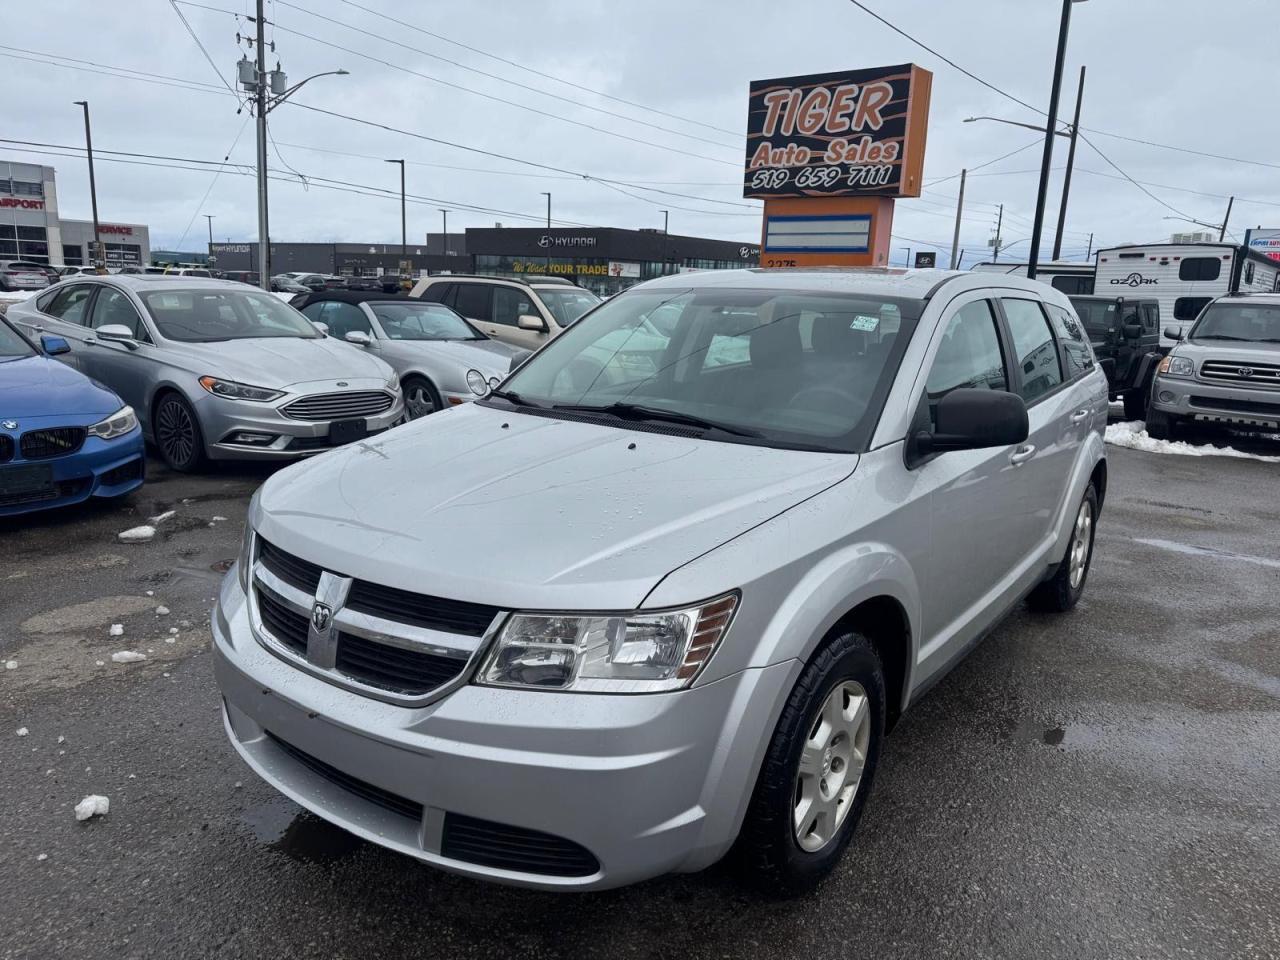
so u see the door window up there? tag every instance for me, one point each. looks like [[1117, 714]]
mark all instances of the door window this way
[[70, 304], [344, 318], [969, 356], [1199, 268], [1034, 348], [439, 292], [473, 301], [1075, 345], [113, 307], [1187, 309], [1150, 317], [508, 305]]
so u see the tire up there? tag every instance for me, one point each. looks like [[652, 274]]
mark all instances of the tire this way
[[1135, 403], [1160, 426], [781, 855], [428, 397], [177, 433], [1063, 590]]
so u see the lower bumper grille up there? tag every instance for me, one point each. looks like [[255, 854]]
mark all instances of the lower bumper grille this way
[[490, 844], [1240, 406], [59, 491], [365, 791], [123, 473], [54, 442]]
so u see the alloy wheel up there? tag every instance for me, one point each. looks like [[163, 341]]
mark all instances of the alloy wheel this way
[[175, 432], [831, 765], [419, 401], [1081, 542]]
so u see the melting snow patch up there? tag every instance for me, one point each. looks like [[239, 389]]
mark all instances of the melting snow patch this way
[[151, 593], [117, 630], [162, 517], [43, 856], [218, 519], [137, 534], [22, 731], [11, 664], [173, 631], [127, 656], [94, 805], [1133, 434], [162, 611]]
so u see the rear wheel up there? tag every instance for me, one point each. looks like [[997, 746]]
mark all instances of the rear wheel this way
[[818, 769], [178, 435], [1062, 591], [420, 397]]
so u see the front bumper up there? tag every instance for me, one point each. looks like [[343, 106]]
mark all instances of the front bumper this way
[[1215, 402], [100, 468], [644, 784], [222, 419]]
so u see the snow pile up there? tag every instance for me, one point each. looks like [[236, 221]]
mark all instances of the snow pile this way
[[11, 664], [162, 517], [1133, 434], [127, 656], [94, 805], [117, 630], [137, 534], [22, 731]]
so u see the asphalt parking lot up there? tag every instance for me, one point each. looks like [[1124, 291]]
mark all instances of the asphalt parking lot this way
[[1097, 785]]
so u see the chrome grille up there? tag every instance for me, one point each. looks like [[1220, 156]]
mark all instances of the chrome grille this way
[[1232, 371], [407, 648], [339, 406], [54, 442]]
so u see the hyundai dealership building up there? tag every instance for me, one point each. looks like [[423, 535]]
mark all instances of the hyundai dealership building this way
[[31, 229]]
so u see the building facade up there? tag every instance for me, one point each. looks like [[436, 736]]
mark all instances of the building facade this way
[[31, 228]]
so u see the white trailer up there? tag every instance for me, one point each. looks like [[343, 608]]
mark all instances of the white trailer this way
[[1183, 277], [1072, 277]]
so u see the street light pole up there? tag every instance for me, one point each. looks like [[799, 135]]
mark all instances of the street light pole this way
[[908, 249], [1047, 159], [1222, 234], [1071, 161], [444, 214], [209, 217], [99, 261], [955, 240], [995, 256], [404, 235], [548, 196], [665, 220]]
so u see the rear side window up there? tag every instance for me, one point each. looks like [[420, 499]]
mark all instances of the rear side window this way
[[439, 293], [1075, 345], [1073, 286], [969, 356], [1187, 309], [1035, 351], [473, 301], [70, 304], [1199, 268]]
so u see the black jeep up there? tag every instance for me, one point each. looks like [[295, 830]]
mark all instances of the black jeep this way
[[1126, 330]]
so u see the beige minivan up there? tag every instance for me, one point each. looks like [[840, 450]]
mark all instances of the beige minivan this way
[[523, 312]]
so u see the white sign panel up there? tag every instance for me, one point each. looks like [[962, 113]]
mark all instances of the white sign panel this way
[[619, 268]]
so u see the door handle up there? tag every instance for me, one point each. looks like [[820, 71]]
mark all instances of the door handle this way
[[1022, 454], [1079, 416]]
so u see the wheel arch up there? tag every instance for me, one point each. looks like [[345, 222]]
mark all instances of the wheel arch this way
[[883, 620]]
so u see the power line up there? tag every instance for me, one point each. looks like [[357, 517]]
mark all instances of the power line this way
[[192, 85], [1003, 156], [190, 30], [1117, 169], [212, 183]]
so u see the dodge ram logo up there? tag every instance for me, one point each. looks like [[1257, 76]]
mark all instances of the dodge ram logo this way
[[320, 615]]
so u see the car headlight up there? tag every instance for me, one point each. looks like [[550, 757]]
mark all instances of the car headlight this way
[[117, 425], [1177, 367], [231, 390], [607, 653], [244, 561], [477, 383]]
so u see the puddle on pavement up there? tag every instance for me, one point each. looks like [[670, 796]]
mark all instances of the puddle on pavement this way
[[1185, 548], [283, 826]]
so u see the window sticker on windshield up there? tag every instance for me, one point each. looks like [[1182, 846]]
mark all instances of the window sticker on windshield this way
[[862, 321], [169, 302]]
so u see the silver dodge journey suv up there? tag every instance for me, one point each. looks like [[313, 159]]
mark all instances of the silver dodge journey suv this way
[[663, 593]]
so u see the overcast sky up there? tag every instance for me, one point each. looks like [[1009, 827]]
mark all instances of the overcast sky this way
[[1179, 72]]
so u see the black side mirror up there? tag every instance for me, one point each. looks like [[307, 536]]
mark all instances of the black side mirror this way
[[970, 419], [1132, 331], [1173, 333]]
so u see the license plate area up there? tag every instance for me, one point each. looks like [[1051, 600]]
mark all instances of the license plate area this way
[[25, 479], [347, 431]]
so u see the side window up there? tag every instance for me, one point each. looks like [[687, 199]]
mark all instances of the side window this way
[[1187, 309], [1075, 345], [508, 304], [1035, 351], [1150, 317], [1199, 268], [473, 301], [1072, 285], [313, 311], [344, 318], [69, 305], [43, 301], [113, 307], [439, 292], [969, 356]]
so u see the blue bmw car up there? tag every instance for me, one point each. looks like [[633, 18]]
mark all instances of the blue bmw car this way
[[63, 437]]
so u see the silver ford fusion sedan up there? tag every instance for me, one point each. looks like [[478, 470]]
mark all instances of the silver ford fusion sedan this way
[[215, 369], [662, 595], [442, 359]]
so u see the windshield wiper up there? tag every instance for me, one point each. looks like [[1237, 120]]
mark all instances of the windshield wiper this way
[[635, 411], [512, 397]]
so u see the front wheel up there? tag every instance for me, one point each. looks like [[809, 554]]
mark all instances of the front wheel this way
[[178, 434], [1135, 403], [1160, 426], [818, 769], [420, 397], [1062, 591]]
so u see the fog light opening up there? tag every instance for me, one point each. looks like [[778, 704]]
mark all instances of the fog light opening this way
[[1166, 397], [250, 439]]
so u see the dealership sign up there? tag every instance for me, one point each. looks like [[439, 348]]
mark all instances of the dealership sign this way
[[1265, 242], [22, 203], [549, 241], [844, 134]]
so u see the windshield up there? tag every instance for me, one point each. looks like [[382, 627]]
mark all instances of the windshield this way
[[423, 321], [210, 316], [567, 304], [1098, 316], [12, 345], [778, 368], [1256, 322]]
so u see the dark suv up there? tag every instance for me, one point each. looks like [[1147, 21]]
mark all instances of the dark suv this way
[[1127, 331]]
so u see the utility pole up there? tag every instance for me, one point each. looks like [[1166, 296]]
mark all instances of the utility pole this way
[[955, 240], [995, 257], [1071, 162], [212, 259], [260, 98], [97, 257], [665, 220], [548, 196], [1089, 253], [1050, 130], [444, 214], [1222, 234], [404, 235], [908, 249]]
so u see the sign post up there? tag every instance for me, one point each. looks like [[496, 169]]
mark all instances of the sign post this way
[[829, 153]]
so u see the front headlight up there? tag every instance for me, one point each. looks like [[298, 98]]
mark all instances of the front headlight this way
[[607, 653], [231, 390], [117, 425], [477, 383], [1172, 366]]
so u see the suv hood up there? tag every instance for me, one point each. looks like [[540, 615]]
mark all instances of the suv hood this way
[[527, 512], [281, 361], [1232, 351]]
